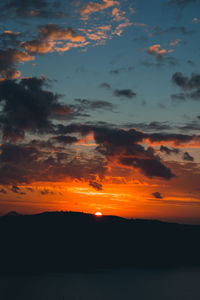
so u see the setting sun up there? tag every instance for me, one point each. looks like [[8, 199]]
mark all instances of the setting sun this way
[[98, 214]]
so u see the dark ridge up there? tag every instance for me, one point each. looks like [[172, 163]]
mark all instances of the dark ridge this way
[[71, 241]]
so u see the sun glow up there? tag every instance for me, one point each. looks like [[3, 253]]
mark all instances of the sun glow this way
[[98, 214]]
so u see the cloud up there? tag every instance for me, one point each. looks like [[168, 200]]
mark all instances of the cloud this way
[[32, 9], [97, 186], [65, 139], [48, 37], [191, 84], [51, 158], [10, 39], [93, 7], [27, 107], [175, 138], [186, 83], [157, 195], [120, 28], [15, 189], [128, 136], [123, 147], [126, 93], [9, 58], [150, 167], [25, 164], [193, 125], [169, 151], [46, 192], [156, 50], [121, 93], [188, 157], [158, 126], [118, 15], [86, 104]]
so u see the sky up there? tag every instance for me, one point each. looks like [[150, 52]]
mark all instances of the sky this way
[[99, 107]]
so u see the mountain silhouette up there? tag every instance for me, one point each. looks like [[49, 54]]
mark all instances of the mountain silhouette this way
[[71, 241]]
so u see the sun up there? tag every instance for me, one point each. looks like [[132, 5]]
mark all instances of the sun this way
[[98, 214]]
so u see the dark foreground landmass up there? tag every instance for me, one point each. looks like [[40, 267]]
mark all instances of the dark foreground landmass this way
[[68, 241]]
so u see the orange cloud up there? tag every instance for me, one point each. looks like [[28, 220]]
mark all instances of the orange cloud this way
[[93, 7], [119, 29], [118, 15], [49, 36], [10, 32], [156, 50]]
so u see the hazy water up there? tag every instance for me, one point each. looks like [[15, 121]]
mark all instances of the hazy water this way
[[109, 285]]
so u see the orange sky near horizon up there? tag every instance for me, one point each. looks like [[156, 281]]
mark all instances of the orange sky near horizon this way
[[133, 199]]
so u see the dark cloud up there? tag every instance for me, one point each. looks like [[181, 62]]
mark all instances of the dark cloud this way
[[150, 167], [121, 93], [126, 93], [83, 129], [9, 58], [24, 164], [115, 71], [169, 151], [32, 9], [126, 146], [17, 190], [158, 126], [117, 136], [193, 125], [186, 83], [188, 157], [97, 186], [46, 192], [123, 145], [45, 160], [27, 106], [41, 144], [190, 86], [86, 104], [157, 195], [177, 138], [65, 139]]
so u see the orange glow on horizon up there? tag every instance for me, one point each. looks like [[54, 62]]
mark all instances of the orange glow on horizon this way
[[120, 196]]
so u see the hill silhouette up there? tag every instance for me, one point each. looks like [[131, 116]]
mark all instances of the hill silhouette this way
[[71, 241]]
